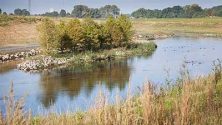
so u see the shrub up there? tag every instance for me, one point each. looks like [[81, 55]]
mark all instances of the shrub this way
[[48, 35], [85, 35], [75, 32], [113, 32], [64, 41], [92, 34], [119, 30], [126, 27]]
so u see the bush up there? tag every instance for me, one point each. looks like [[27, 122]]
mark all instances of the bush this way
[[120, 31], [85, 35], [92, 34], [64, 41], [48, 35], [126, 27], [75, 32]]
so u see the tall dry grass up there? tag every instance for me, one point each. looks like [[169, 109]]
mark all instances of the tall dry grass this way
[[15, 113], [187, 102]]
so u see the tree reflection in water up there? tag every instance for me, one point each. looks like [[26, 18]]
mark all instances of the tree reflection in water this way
[[72, 80]]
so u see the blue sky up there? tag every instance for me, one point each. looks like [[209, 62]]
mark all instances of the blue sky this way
[[127, 6]]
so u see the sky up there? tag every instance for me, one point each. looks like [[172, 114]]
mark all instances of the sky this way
[[126, 6]]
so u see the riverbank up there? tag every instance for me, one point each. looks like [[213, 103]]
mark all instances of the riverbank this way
[[25, 31], [187, 101], [40, 63], [18, 55]]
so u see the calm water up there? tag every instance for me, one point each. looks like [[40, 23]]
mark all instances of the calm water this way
[[74, 89]]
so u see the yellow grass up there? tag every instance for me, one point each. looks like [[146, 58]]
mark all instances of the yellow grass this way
[[20, 32], [195, 26]]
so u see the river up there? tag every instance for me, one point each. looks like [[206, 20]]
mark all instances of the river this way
[[76, 89]]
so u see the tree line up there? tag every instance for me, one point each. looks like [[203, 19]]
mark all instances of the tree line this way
[[188, 11], [86, 35], [82, 11]]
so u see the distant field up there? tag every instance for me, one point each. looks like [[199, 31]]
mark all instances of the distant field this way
[[22, 30], [201, 26]]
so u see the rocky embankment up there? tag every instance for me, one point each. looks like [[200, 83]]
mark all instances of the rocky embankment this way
[[46, 62], [18, 55], [42, 62]]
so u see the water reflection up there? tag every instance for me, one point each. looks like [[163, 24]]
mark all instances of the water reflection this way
[[71, 82], [78, 86], [6, 67]]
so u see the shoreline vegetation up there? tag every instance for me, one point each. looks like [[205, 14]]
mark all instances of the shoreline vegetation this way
[[186, 101], [40, 63], [86, 41], [66, 41]]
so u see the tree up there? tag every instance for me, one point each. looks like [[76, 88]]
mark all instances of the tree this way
[[68, 14], [54, 13], [216, 11], [140, 13], [18, 12], [174, 12], [51, 14], [25, 12], [192, 10], [94, 13], [80, 11], [62, 13], [0, 11], [4, 13], [109, 10], [22, 12]]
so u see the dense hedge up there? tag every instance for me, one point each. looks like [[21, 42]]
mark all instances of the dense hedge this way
[[86, 35]]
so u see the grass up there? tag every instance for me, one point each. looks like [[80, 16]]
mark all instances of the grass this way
[[188, 101], [7, 20], [20, 30], [87, 59], [193, 26]]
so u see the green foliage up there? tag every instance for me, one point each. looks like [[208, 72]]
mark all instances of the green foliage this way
[[92, 34], [62, 13], [216, 11], [119, 30], [21, 12], [126, 27], [48, 35], [109, 10], [188, 11], [64, 41], [0, 11], [75, 32], [4, 13], [86, 35], [82, 11]]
